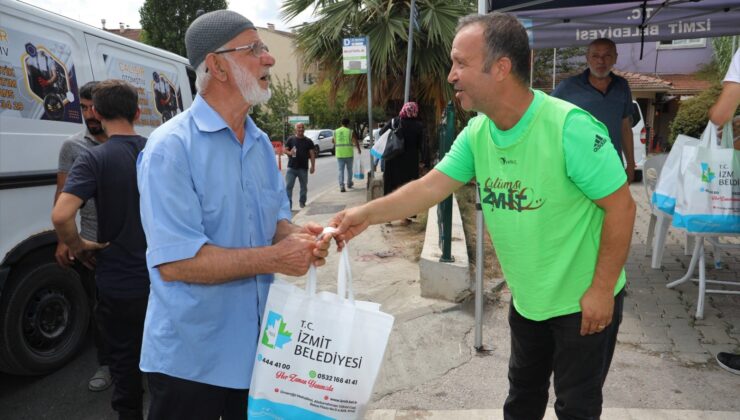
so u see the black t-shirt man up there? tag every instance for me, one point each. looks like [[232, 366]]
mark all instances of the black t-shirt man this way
[[108, 174], [303, 146]]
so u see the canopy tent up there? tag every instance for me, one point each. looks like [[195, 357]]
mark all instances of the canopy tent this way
[[564, 23]]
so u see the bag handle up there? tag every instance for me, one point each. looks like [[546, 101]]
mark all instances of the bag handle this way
[[710, 137], [344, 274]]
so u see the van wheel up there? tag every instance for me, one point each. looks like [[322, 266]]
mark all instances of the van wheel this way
[[44, 315], [317, 150], [333, 151], [638, 176]]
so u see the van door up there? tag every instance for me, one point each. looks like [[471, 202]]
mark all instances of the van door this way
[[162, 82]]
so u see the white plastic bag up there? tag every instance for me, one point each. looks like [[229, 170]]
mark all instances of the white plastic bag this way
[[708, 199], [358, 171], [319, 353], [379, 147], [666, 190]]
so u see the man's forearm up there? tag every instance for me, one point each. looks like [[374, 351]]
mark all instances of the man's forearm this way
[[67, 233], [426, 192], [216, 265], [628, 145], [616, 236]]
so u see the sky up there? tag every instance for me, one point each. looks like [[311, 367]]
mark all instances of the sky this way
[[260, 12]]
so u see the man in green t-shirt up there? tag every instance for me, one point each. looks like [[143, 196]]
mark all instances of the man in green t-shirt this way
[[344, 140], [557, 206]]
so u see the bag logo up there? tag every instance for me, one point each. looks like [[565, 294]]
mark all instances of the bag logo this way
[[706, 173], [599, 143], [275, 334]]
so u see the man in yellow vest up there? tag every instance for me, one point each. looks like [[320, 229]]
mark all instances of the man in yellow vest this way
[[558, 209], [343, 141]]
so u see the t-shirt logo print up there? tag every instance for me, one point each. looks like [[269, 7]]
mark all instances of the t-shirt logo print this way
[[599, 142], [275, 335]]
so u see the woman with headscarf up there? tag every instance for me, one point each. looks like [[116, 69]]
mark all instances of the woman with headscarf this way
[[405, 167]]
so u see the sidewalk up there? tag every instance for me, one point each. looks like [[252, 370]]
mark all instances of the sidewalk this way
[[663, 367]]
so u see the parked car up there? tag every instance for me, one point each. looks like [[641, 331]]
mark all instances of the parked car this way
[[639, 140], [366, 140], [323, 139]]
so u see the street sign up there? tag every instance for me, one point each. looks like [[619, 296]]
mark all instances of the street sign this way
[[354, 55], [295, 119]]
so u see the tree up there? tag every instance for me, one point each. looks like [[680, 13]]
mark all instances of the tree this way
[[164, 22], [568, 60], [386, 23], [271, 117], [325, 113]]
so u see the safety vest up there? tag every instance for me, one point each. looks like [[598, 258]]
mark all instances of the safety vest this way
[[343, 142]]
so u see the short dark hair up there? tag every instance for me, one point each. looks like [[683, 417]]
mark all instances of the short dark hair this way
[[504, 36], [345, 122], [86, 91], [115, 99], [603, 41]]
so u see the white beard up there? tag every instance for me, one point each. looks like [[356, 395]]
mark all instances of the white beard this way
[[248, 85]]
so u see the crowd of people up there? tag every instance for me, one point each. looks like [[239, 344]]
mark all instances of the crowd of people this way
[[185, 230]]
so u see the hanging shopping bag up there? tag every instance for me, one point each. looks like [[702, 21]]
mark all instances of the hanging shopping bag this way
[[708, 199], [358, 171], [379, 146], [318, 353], [666, 189], [395, 144]]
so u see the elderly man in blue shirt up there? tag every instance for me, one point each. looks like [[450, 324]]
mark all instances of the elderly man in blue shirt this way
[[217, 222], [606, 96]]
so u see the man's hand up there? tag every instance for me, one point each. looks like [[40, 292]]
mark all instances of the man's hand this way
[[85, 252], [597, 310], [349, 223], [311, 171], [63, 255], [630, 170]]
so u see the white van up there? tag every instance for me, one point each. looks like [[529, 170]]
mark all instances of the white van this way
[[44, 59]]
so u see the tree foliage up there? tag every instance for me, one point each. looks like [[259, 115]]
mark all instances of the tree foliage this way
[[692, 118], [326, 113], [271, 117], [569, 60], [164, 22], [385, 22]]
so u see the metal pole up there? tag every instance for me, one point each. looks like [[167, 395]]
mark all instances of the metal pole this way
[[479, 266], [412, 18], [554, 60], [369, 101]]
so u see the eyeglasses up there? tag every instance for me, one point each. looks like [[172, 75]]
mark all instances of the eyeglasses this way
[[257, 48]]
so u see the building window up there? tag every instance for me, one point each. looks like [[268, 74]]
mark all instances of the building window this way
[[675, 44]]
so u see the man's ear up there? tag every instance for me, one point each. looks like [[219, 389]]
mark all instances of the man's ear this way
[[138, 114], [503, 68], [216, 67]]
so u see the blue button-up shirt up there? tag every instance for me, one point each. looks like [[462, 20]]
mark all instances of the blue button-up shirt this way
[[610, 108], [199, 185]]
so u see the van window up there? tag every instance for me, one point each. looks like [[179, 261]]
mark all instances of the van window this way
[[37, 74], [156, 80], [635, 114]]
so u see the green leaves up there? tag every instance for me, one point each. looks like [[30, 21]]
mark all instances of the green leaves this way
[[386, 23], [165, 21]]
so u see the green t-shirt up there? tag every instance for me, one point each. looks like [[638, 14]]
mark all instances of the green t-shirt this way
[[538, 181], [343, 143]]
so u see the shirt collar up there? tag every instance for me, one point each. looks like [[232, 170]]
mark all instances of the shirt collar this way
[[208, 120], [205, 117]]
